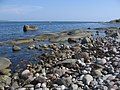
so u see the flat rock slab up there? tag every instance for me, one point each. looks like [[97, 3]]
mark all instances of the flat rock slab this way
[[67, 61], [4, 63]]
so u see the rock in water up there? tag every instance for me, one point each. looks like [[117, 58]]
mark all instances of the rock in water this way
[[4, 63], [29, 28], [16, 48], [87, 79]]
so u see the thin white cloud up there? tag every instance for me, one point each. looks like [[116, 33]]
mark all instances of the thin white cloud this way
[[12, 9]]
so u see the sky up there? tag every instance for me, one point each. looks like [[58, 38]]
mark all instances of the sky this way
[[59, 10]]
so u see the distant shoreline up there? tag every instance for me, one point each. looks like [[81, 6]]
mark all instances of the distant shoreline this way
[[55, 21]]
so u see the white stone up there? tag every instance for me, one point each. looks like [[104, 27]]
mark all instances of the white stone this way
[[101, 61], [82, 63], [25, 72], [37, 75], [74, 87], [63, 87], [87, 79], [21, 88], [43, 85], [84, 72]]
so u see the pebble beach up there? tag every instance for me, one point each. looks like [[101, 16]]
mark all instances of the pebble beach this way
[[73, 60]]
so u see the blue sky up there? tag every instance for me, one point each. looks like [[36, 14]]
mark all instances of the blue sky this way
[[59, 10]]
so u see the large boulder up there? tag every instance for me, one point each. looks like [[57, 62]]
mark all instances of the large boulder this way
[[4, 63], [29, 28]]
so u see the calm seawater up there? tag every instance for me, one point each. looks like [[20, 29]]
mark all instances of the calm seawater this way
[[14, 30]]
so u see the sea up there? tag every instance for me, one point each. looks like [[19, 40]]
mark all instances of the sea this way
[[14, 30]]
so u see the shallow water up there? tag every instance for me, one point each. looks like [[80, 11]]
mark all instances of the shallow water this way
[[13, 30]]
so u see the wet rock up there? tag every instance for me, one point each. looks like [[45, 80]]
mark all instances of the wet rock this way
[[16, 48], [37, 47], [31, 46], [87, 79], [29, 28]]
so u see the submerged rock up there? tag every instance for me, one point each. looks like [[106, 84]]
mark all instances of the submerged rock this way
[[16, 48]]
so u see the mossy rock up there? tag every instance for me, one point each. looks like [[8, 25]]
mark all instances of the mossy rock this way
[[5, 72]]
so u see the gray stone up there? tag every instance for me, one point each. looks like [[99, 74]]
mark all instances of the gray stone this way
[[97, 72], [101, 61], [25, 74], [74, 87], [5, 79], [105, 87], [29, 86], [15, 85], [4, 63], [67, 81], [68, 61], [29, 28], [38, 85], [87, 79]]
